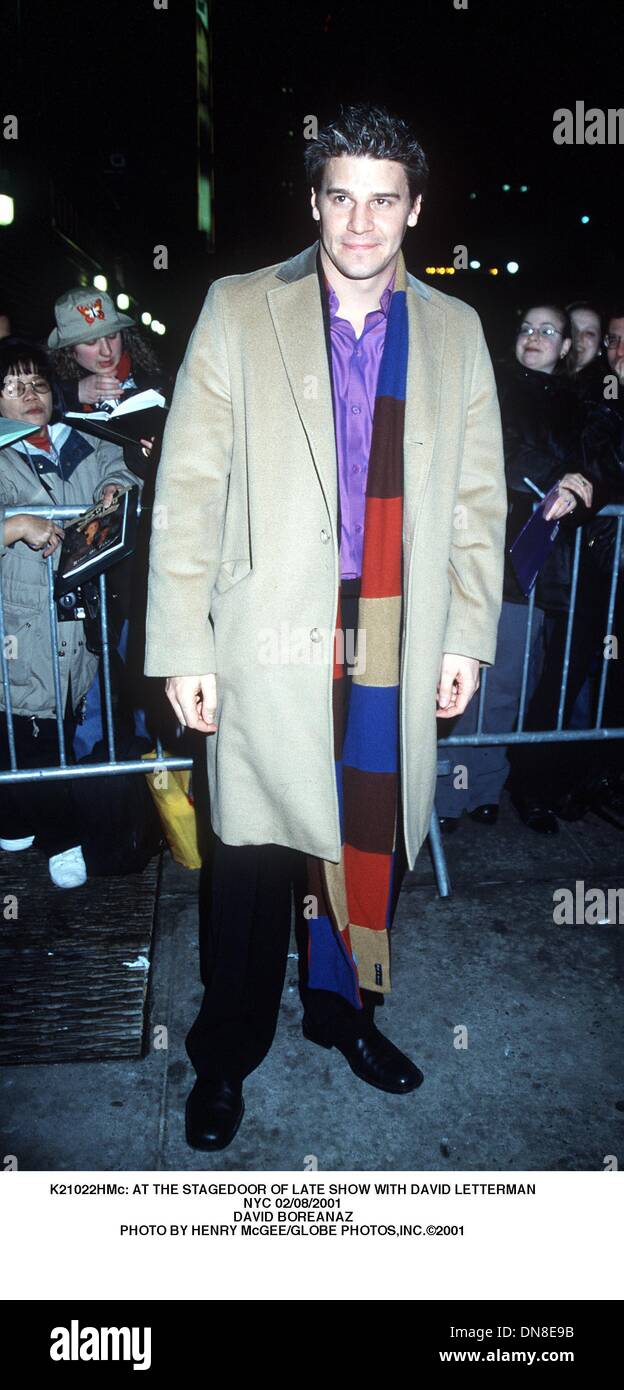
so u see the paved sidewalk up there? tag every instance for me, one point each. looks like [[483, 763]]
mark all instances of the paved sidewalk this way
[[539, 1085]]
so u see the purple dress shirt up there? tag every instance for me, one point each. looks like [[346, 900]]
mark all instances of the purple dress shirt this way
[[355, 369]]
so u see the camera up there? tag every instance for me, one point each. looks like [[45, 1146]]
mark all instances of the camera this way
[[81, 602]]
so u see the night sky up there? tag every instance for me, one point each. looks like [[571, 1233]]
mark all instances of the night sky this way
[[479, 85]]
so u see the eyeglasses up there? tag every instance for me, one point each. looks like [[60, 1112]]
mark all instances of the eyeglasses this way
[[19, 387], [545, 331], [612, 340]]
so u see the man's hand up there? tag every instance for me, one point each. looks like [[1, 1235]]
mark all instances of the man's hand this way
[[108, 494], [459, 680], [194, 700]]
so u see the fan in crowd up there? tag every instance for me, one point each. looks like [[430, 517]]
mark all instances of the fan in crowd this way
[[55, 466], [100, 357], [554, 436]]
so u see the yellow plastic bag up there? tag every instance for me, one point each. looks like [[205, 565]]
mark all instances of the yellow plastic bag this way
[[170, 788]]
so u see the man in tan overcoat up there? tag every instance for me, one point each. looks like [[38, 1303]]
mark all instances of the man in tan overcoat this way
[[265, 503]]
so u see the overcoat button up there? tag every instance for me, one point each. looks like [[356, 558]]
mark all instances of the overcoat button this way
[[315, 635], [324, 537]]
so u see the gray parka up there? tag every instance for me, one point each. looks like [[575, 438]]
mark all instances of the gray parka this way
[[92, 465]]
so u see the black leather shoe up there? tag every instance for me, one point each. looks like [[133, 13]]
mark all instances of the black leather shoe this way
[[573, 805], [374, 1059], [214, 1111], [539, 818], [485, 815], [448, 824], [608, 803]]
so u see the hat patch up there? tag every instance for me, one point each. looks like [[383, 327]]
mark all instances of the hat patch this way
[[91, 312]]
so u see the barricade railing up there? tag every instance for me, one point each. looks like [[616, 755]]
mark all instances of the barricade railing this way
[[162, 760], [519, 735], [66, 768]]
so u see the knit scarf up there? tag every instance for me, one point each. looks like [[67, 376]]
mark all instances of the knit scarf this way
[[350, 902]]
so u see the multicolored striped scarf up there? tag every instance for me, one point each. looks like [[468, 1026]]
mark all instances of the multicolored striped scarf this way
[[348, 935]]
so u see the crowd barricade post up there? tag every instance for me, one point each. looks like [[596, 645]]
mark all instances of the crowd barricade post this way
[[558, 734]]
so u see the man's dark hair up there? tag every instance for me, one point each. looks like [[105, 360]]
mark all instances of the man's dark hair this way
[[372, 131], [616, 313]]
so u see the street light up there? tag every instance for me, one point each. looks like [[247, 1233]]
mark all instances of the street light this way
[[100, 282], [122, 301], [7, 210], [585, 219], [475, 265], [513, 267], [146, 318]]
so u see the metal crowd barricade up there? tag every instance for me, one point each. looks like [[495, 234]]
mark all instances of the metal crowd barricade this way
[[67, 768], [162, 760], [520, 734]]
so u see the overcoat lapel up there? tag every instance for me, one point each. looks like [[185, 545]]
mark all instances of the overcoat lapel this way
[[423, 402], [298, 319]]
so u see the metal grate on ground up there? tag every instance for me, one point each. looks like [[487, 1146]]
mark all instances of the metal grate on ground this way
[[74, 966]]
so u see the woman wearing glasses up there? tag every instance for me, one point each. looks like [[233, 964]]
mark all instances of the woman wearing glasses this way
[[53, 465], [551, 439]]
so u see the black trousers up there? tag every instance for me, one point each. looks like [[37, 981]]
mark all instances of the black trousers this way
[[245, 900]]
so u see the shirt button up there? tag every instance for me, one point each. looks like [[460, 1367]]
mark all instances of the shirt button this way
[[358, 529], [315, 635], [355, 468], [356, 410], [324, 537]]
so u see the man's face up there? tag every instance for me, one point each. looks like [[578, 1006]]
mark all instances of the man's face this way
[[615, 346], [363, 208], [585, 336], [102, 355]]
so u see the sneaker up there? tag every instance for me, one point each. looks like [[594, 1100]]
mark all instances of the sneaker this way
[[14, 845], [68, 870]]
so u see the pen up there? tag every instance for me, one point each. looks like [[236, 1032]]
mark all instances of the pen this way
[[534, 487]]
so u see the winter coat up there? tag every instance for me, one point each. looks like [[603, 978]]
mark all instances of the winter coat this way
[[88, 465]]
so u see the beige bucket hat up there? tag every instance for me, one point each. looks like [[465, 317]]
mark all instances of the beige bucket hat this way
[[84, 315]]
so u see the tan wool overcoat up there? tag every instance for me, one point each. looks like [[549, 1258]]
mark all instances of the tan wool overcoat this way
[[244, 558]]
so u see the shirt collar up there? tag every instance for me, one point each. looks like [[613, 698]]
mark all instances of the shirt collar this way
[[384, 302], [58, 434]]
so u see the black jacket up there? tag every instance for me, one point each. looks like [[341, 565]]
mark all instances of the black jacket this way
[[599, 534], [549, 429], [144, 381]]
